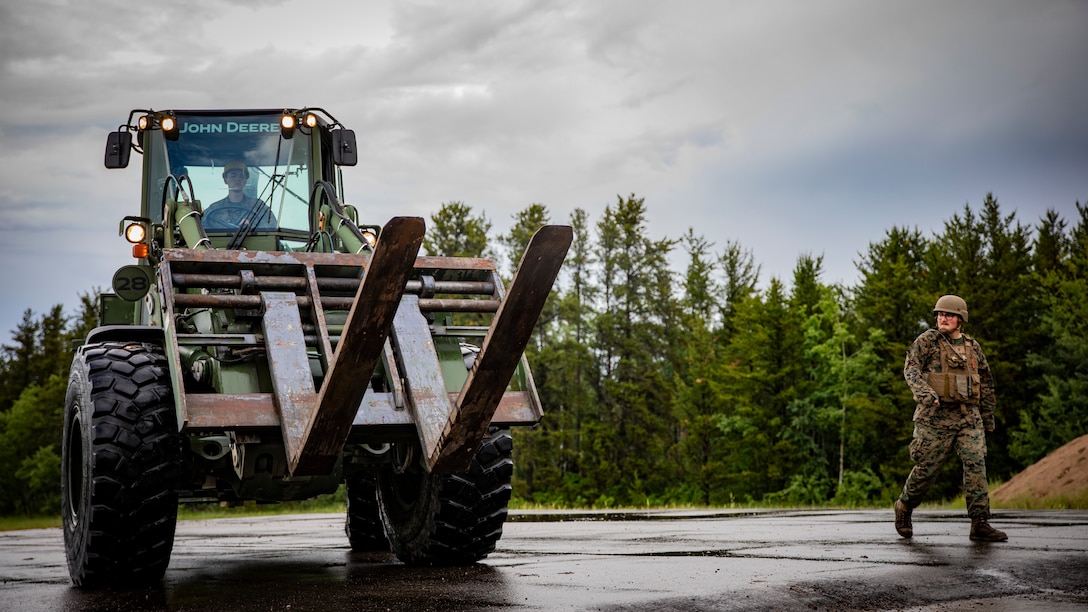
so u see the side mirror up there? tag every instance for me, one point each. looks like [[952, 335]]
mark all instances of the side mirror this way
[[118, 149], [344, 152]]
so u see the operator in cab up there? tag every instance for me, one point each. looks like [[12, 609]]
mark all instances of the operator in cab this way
[[230, 213]]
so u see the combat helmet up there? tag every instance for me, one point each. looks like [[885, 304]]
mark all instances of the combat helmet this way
[[951, 303]]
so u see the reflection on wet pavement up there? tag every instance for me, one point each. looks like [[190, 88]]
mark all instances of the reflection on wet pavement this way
[[713, 560]]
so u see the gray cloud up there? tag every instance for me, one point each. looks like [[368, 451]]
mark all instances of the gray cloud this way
[[792, 127]]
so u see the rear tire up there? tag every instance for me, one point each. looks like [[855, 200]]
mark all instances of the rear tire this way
[[364, 521], [449, 519], [119, 465]]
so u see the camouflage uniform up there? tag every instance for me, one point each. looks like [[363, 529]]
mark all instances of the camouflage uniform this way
[[950, 425]]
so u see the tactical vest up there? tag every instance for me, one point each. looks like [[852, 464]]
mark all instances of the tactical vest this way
[[958, 381]]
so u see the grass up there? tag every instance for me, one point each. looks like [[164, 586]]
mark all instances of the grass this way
[[336, 504], [1054, 502], [13, 523], [333, 503], [190, 512]]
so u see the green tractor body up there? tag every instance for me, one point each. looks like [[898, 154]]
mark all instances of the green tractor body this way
[[265, 345]]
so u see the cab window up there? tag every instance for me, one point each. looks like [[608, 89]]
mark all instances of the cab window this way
[[238, 165]]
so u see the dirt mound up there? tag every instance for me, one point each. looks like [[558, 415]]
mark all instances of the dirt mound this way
[[1061, 474]]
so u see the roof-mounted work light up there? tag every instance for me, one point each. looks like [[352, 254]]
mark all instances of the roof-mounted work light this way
[[167, 123], [287, 125], [170, 128]]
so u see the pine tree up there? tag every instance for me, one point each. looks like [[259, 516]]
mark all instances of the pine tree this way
[[893, 295], [550, 466], [698, 454], [1060, 413], [17, 364], [892, 303], [455, 232], [987, 261], [526, 222], [740, 278], [633, 340]]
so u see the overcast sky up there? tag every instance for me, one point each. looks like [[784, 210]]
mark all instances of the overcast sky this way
[[807, 127]]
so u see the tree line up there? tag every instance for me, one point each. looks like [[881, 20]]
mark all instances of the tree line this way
[[710, 385]]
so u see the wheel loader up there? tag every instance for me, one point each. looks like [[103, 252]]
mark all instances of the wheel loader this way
[[265, 344]]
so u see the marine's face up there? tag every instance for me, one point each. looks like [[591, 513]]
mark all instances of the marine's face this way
[[948, 322]]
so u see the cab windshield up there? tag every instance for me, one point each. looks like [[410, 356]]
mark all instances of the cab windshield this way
[[241, 170]]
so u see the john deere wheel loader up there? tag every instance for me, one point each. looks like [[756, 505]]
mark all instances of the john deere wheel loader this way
[[265, 345]]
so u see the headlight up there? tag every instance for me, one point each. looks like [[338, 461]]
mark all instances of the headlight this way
[[135, 233], [371, 238]]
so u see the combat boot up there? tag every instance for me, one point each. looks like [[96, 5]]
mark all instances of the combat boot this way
[[902, 520], [982, 532]]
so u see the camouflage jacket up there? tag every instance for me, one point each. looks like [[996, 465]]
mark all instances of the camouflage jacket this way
[[923, 360]]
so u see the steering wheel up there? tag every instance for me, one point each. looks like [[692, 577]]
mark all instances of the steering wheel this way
[[225, 216]]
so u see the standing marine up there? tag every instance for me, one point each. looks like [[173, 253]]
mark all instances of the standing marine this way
[[954, 392]]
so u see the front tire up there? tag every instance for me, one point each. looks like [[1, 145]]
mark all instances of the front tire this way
[[119, 465], [449, 519]]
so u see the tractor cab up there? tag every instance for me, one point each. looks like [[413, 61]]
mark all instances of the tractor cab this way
[[256, 179]]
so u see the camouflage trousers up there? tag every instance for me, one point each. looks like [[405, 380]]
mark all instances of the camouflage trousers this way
[[931, 448]]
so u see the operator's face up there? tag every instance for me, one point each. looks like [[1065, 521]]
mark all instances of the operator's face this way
[[947, 322], [235, 179]]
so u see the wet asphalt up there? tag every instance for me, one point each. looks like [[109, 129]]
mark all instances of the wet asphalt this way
[[653, 560]]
